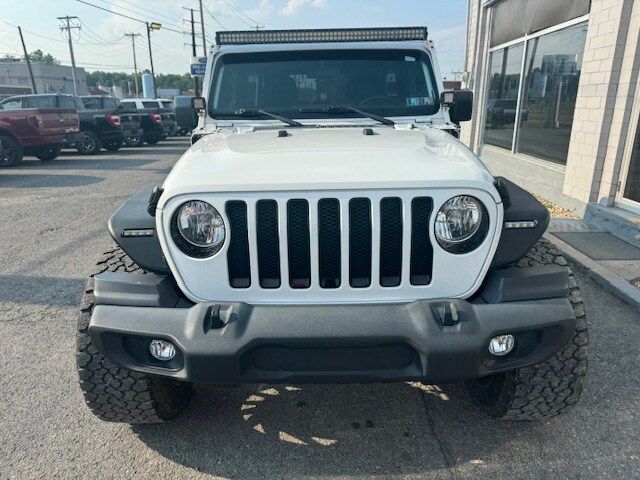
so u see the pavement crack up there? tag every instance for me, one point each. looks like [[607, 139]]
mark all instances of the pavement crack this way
[[451, 467]]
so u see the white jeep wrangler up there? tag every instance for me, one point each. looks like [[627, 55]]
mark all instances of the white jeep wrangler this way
[[328, 226]]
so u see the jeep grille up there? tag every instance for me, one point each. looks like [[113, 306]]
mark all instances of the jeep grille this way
[[330, 242]]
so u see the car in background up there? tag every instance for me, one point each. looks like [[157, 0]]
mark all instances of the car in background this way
[[99, 128], [158, 121], [186, 115], [129, 120], [35, 131]]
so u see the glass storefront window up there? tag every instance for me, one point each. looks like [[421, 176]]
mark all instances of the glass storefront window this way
[[552, 73], [632, 185], [503, 83]]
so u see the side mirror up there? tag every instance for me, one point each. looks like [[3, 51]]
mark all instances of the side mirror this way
[[460, 103], [199, 104]]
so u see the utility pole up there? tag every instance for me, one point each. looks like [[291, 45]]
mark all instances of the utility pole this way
[[26, 57], [68, 28], [196, 83], [204, 41], [152, 26], [135, 64]]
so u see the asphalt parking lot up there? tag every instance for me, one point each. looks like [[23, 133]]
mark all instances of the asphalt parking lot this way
[[53, 228]]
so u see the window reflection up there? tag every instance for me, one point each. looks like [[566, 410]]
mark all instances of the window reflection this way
[[504, 79], [552, 69]]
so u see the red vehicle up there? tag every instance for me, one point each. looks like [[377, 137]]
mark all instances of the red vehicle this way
[[39, 132]]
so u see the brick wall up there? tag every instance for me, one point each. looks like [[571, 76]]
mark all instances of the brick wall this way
[[605, 100]]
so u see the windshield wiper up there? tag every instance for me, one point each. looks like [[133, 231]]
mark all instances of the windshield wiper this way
[[339, 110], [248, 112]]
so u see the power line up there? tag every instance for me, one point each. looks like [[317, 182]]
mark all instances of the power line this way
[[127, 16], [172, 22], [214, 18], [233, 5]]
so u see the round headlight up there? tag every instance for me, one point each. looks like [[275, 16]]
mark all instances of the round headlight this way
[[461, 224], [198, 229]]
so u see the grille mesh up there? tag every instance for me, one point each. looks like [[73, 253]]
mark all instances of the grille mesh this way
[[421, 249], [329, 248], [390, 242], [298, 244], [268, 243], [238, 253], [359, 242]]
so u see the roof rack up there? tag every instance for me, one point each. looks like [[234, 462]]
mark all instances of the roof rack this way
[[391, 34]]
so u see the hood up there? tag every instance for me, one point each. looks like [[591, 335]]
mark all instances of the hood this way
[[327, 159]]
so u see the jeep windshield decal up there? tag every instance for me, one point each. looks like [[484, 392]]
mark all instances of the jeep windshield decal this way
[[302, 84]]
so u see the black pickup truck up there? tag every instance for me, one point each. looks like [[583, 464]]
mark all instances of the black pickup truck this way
[[157, 121], [130, 120], [99, 127]]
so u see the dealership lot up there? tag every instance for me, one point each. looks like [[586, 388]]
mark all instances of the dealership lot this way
[[54, 227]]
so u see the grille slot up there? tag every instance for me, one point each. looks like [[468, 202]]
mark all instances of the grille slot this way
[[421, 249], [298, 243], [359, 242], [390, 241], [268, 243], [329, 242], [238, 254]]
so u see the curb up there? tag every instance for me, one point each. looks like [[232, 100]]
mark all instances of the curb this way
[[608, 279]]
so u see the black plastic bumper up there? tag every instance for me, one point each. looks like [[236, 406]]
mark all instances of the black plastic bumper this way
[[231, 343]]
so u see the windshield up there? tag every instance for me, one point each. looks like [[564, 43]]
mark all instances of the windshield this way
[[383, 82]]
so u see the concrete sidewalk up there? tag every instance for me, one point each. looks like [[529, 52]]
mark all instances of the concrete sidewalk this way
[[610, 261]]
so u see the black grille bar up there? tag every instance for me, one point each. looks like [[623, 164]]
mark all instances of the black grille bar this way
[[298, 244], [238, 253], [329, 250], [421, 249], [359, 242], [390, 241], [268, 243]]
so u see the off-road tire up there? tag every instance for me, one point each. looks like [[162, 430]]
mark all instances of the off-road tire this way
[[47, 153], [152, 139], [11, 152], [90, 144], [137, 141], [548, 388], [114, 393], [113, 145]]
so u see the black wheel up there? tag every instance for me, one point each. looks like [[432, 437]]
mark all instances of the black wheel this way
[[548, 388], [90, 143], [152, 139], [137, 141], [114, 393], [10, 152], [113, 145], [45, 154]]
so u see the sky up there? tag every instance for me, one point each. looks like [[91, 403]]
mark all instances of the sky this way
[[100, 43]]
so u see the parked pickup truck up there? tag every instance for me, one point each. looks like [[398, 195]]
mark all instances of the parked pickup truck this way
[[39, 132], [129, 120], [100, 128], [158, 121]]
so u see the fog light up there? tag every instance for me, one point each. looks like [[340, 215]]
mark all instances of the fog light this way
[[162, 350], [501, 345]]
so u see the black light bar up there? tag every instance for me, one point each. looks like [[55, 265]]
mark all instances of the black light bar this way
[[391, 34]]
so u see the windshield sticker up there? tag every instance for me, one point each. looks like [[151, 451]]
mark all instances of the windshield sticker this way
[[419, 101]]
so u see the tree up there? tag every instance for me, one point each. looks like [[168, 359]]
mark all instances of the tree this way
[[40, 56]]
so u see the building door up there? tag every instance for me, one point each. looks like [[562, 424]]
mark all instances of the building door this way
[[629, 192]]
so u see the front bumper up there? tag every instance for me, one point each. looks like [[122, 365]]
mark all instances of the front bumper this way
[[232, 343]]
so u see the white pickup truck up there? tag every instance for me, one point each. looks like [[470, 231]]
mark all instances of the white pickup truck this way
[[327, 226]]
